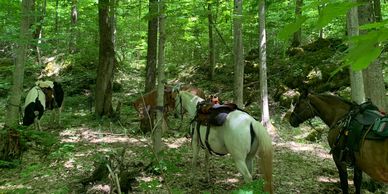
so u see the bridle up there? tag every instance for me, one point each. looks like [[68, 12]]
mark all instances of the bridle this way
[[181, 113], [312, 110]]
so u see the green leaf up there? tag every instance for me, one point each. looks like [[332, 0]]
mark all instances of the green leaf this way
[[333, 10], [375, 25], [363, 60], [289, 29]]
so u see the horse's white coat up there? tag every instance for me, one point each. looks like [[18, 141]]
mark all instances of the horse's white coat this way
[[33, 94], [233, 137]]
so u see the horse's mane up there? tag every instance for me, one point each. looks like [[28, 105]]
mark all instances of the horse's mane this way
[[332, 97]]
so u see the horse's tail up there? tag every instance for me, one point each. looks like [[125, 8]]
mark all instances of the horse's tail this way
[[265, 154]]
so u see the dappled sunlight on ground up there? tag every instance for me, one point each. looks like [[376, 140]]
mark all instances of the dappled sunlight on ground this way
[[87, 135], [315, 149], [176, 142], [325, 179]]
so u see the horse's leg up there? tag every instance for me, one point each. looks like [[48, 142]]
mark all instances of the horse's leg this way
[[37, 124], [343, 174], [357, 179], [207, 168], [243, 169], [249, 162], [195, 146]]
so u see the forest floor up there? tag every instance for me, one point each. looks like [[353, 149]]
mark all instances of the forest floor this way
[[300, 166]]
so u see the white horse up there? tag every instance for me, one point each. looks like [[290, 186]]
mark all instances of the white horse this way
[[233, 137]]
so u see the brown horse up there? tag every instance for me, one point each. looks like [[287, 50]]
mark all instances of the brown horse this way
[[372, 154], [147, 102]]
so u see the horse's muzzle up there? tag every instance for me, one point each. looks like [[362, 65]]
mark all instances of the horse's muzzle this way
[[294, 121]]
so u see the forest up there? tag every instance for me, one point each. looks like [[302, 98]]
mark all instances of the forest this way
[[124, 96]]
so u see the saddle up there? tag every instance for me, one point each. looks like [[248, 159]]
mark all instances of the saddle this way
[[366, 121], [213, 114], [210, 114]]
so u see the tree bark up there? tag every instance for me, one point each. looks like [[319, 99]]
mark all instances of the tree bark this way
[[40, 13], [298, 34], [373, 75], [9, 137], [356, 79], [212, 60], [106, 59], [377, 10], [146, 124], [157, 133], [238, 54], [73, 19], [152, 43], [263, 66]]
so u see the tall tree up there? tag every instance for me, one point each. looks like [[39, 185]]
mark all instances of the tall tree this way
[[9, 140], [263, 65], [157, 133], [40, 13], [73, 19], [212, 59], [238, 52], [356, 79], [152, 43], [107, 60], [373, 74], [298, 34]]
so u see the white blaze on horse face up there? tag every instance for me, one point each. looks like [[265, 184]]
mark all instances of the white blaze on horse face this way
[[33, 94]]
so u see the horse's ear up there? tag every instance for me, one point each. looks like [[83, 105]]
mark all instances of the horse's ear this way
[[168, 89], [176, 88]]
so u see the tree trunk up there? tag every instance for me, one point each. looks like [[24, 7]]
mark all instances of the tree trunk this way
[[152, 43], [157, 133], [356, 79], [377, 11], [40, 13], [212, 60], [106, 59], [74, 19], [263, 66], [146, 124], [9, 137], [373, 74], [321, 34], [298, 34], [238, 54]]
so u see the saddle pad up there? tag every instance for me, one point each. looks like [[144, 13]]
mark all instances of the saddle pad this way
[[380, 127], [368, 117]]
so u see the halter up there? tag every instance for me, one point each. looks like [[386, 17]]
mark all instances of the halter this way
[[313, 110], [181, 113]]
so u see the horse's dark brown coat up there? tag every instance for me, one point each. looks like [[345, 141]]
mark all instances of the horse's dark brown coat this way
[[373, 155]]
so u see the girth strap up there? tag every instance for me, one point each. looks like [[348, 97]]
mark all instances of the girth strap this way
[[207, 144]]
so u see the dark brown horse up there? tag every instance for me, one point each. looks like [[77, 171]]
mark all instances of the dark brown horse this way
[[371, 156]]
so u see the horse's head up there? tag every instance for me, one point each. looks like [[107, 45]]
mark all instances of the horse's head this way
[[169, 99], [49, 93], [214, 99], [303, 110]]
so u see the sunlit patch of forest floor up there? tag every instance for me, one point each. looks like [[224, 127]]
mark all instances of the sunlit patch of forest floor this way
[[300, 166]]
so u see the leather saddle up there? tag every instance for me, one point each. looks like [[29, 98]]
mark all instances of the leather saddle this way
[[213, 114], [366, 119]]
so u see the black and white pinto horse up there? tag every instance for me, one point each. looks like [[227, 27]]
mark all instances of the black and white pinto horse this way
[[241, 136], [45, 95]]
